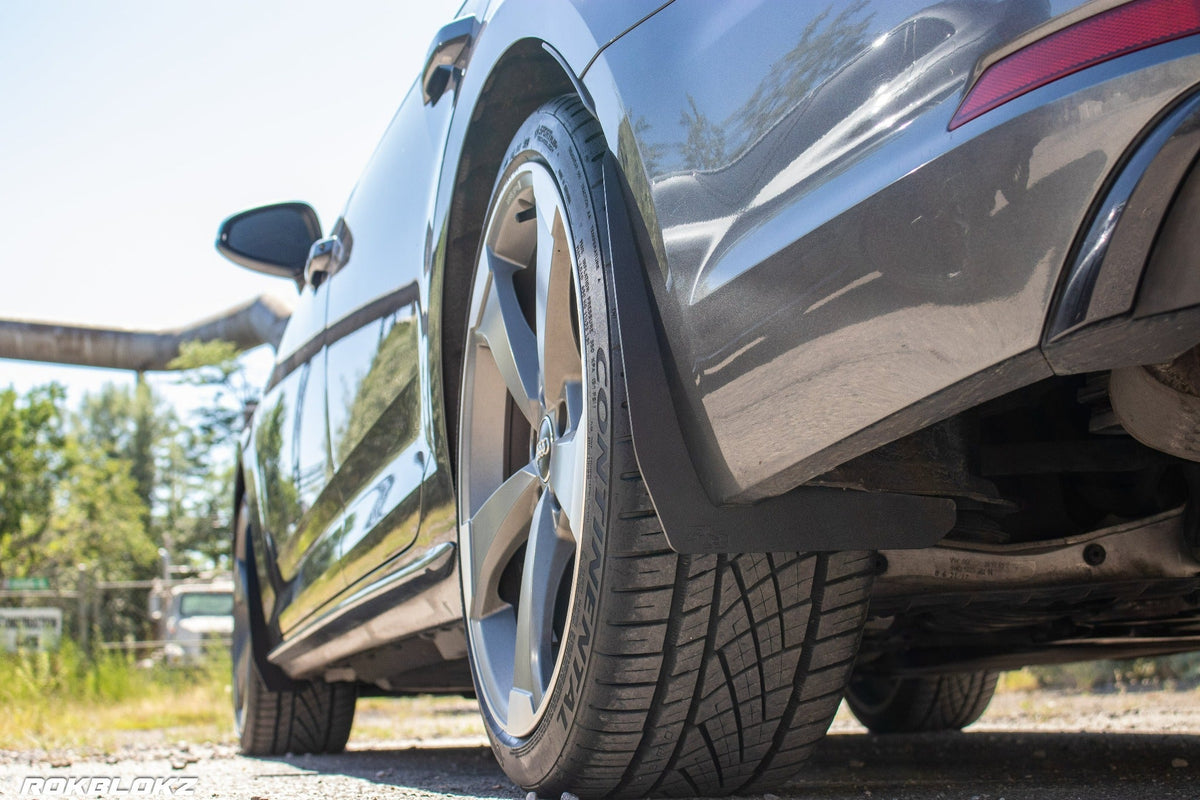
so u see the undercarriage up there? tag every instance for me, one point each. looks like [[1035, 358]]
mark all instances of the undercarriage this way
[[1074, 540]]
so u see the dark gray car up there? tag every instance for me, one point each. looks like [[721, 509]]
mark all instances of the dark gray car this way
[[677, 369]]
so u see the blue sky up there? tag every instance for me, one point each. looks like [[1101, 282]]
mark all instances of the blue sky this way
[[130, 129]]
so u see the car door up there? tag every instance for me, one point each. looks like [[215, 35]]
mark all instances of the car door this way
[[378, 383], [290, 448]]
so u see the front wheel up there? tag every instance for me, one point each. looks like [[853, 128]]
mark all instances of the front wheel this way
[[605, 663]]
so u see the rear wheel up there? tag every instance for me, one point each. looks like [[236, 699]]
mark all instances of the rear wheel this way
[[605, 663], [921, 704], [312, 717]]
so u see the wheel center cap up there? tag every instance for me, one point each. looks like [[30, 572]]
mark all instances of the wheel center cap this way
[[541, 452]]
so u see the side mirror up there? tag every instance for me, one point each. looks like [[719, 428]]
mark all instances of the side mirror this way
[[271, 239]]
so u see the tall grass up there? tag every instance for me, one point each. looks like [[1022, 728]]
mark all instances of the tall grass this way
[[69, 699]]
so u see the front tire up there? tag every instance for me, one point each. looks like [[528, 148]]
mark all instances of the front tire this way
[[605, 663]]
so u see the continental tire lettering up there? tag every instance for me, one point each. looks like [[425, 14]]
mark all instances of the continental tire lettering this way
[[601, 393], [582, 643], [568, 704], [601, 369], [594, 573], [594, 548], [602, 468]]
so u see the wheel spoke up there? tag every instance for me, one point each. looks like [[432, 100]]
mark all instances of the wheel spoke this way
[[520, 709], [547, 554], [512, 344], [558, 354], [568, 461], [573, 395], [495, 532]]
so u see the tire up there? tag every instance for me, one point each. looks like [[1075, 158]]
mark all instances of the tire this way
[[921, 704], [605, 663], [312, 717]]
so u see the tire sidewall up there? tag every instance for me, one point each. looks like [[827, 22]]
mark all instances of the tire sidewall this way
[[546, 138]]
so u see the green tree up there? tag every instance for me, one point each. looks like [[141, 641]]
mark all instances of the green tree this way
[[132, 425], [179, 471], [64, 499], [215, 365], [105, 486], [194, 501], [98, 520], [202, 510], [33, 462]]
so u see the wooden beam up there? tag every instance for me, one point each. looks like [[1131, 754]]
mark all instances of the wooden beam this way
[[255, 322]]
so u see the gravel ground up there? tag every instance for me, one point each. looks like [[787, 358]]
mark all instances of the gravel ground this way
[[1039, 745]]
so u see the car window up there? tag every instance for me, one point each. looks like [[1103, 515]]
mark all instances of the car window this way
[[206, 604]]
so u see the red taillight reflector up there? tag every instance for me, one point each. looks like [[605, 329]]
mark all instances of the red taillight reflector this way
[[1116, 32]]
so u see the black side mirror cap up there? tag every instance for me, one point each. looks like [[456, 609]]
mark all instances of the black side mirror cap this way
[[274, 239]]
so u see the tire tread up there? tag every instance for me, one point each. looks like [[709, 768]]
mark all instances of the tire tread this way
[[315, 718]]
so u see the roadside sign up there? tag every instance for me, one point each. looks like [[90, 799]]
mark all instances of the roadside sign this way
[[30, 628], [20, 584]]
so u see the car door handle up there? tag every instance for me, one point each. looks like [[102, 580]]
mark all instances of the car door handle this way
[[447, 55], [325, 257]]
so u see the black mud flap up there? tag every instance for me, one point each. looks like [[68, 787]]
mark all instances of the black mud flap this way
[[808, 518], [261, 637]]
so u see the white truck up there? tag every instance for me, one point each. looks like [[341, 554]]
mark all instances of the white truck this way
[[194, 617]]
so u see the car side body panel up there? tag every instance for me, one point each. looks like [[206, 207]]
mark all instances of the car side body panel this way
[[824, 245], [288, 455], [379, 390]]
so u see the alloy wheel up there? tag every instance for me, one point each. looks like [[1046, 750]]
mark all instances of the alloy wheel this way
[[522, 448]]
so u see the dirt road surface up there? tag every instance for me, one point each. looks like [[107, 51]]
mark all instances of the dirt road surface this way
[[1039, 745]]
